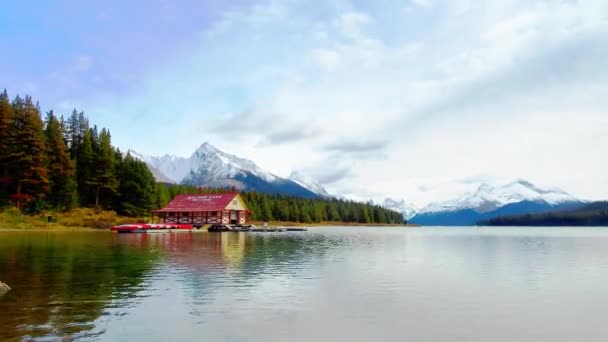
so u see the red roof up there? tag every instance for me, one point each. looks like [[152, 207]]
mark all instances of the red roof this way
[[211, 202]]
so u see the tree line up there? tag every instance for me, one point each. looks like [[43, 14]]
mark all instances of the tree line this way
[[276, 207], [592, 214], [63, 162]]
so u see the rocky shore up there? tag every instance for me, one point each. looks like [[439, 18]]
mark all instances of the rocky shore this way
[[4, 288]]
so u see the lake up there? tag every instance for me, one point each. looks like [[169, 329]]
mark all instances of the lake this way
[[327, 284]]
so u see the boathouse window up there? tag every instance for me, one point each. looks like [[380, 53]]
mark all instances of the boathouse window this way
[[214, 213], [235, 202]]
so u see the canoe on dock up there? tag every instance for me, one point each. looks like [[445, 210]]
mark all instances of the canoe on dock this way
[[151, 228]]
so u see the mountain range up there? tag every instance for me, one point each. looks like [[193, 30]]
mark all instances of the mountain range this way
[[210, 167], [490, 201]]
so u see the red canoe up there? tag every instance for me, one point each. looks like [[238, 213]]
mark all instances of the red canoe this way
[[150, 227]]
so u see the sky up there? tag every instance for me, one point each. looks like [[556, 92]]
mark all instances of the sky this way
[[372, 98]]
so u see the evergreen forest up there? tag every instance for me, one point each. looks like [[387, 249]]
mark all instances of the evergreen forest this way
[[60, 162]]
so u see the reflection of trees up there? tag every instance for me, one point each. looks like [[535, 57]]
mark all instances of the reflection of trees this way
[[243, 252], [63, 281]]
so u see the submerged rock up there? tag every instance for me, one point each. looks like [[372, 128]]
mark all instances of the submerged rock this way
[[4, 288]]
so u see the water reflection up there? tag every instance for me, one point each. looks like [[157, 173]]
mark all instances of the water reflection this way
[[356, 284], [62, 282]]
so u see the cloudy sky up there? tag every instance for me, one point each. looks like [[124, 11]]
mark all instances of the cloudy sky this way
[[373, 98]]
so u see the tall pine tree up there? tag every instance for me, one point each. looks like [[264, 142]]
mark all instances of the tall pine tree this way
[[104, 178], [136, 192], [6, 144], [30, 174], [62, 184], [84, 169]]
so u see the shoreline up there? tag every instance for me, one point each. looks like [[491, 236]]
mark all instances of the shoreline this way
[[82, 219], [62, 228]]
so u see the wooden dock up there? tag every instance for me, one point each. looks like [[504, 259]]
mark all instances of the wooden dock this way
[[252, 228]]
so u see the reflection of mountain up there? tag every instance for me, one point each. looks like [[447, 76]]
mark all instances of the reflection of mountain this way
[[62, 282]]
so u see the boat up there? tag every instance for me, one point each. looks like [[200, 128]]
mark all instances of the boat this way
[[151, 228]]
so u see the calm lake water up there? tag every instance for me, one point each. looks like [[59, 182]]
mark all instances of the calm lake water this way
[[327, 284]]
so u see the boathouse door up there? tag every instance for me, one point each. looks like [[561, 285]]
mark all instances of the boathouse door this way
[[234, 217]]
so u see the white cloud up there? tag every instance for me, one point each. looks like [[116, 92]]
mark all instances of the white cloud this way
[[423, 3], [459, 88], [327, 59]]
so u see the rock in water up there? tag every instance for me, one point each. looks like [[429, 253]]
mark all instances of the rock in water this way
[[4, 288]]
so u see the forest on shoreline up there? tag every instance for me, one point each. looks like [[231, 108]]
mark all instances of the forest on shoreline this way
[[59, 163], [592, 214]]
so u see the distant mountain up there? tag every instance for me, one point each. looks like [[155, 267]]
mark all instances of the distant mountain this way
[[408, 210], [489, 201], [210, 167], [309, 183], [592, 214]]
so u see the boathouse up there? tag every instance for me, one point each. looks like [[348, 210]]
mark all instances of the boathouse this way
[[198, 210]]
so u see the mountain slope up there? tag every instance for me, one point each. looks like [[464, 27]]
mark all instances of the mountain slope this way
[[308, 183], [408, 210], [210, 167], [489, 201], [470, 217], [489, 197]]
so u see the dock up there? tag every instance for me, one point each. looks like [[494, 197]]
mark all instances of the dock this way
[[252, 228], [151, 228]]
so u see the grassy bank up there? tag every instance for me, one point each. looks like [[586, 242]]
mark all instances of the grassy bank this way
[[11, 218]]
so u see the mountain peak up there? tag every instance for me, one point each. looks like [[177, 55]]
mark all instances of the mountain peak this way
[[309, 183], [206, 147], [408, 210], [209, 166], [488, 197]]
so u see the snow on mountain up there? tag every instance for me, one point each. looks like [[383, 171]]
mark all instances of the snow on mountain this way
[[208, 166], [488, 197], [408, 210], [212, 164], [167, 167], [309, 183], [208, 159]]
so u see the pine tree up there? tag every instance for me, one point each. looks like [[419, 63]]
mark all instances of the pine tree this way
[[104, 177], [62, 185], [137, 193], [266, 214], [29, 153], [163, 195], [6, 144], [84, 169], [74, 140]]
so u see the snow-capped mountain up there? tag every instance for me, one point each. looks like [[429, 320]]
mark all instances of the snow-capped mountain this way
[[408, 210], [487, 197], [209, 164], [165, 169], [309, 183], [210, 167], [489, 201]]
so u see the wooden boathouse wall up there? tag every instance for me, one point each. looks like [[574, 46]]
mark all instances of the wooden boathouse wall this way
[[199, 210]]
